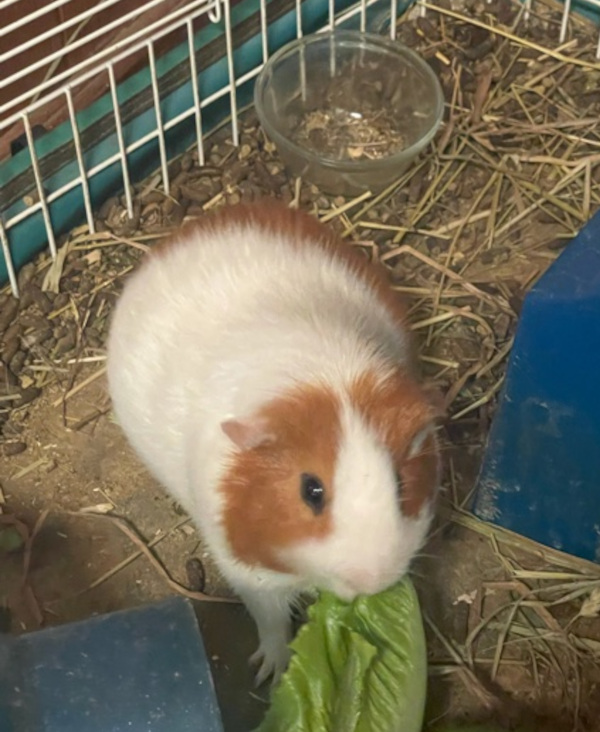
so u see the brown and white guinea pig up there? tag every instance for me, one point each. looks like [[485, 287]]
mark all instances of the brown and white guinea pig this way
[[261, 369]]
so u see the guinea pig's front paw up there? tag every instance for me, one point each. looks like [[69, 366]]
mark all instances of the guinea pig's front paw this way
[[272, 660]]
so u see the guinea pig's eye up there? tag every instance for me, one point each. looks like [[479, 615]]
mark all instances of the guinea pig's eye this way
[[312, 492]]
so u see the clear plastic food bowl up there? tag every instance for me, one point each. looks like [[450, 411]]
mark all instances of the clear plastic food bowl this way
[[348, 111]]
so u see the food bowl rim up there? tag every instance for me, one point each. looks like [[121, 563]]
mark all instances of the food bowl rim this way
[[359, 38]]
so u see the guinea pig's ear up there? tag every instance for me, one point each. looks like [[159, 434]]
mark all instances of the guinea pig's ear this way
[[419, 439], [248, 433], [435, 410]]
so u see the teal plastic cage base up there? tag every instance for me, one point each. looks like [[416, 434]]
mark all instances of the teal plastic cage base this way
[[139, 670]]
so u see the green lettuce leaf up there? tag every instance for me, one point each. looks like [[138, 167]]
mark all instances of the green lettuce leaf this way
[[356, 667]]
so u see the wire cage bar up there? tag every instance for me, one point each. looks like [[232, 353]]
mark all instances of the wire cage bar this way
[[191, 62], [63, 88]]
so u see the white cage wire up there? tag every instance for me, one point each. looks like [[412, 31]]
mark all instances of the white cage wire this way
[[100, 51]]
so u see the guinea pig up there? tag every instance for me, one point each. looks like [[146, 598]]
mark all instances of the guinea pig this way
[[262, 370]]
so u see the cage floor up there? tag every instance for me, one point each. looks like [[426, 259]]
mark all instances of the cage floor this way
[[77, 570], [513, 175]]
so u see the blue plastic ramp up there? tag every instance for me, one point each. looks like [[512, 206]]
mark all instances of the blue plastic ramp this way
[[130, 671], [541, 472]]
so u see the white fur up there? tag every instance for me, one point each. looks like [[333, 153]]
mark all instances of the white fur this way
[[212, 330]]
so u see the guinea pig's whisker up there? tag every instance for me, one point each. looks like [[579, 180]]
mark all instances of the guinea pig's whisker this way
[[424, 555], [434, 451], [435, 532]]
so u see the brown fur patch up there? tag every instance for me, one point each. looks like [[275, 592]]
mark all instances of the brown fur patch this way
[[274, 216], [398, 409], [263, 507]]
